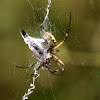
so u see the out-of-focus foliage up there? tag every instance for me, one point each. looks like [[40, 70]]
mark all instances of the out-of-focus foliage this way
[[80, 53]]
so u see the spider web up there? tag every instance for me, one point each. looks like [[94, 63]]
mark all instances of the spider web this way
[[32, 86], [36, 74], [84, 63]]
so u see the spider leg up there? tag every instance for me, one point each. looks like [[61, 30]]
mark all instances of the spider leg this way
[[65, 35], [37, 67], [54, 51], [60, 63], [25, 66], [39, 19], [37, 70], [57, 70]]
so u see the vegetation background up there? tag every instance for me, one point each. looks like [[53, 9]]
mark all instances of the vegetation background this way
[[80, 53]]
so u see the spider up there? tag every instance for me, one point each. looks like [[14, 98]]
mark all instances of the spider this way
[[45, 49]]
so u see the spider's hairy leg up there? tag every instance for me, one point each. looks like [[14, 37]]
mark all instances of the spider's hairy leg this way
[[65, 35], [25, 66], [60, 63]]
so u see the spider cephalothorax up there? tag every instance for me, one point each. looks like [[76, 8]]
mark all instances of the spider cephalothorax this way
[[45, 49]]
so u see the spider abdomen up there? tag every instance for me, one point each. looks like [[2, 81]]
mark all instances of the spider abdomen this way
[[50, 39]]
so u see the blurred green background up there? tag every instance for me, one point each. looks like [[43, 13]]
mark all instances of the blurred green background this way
[[80, 53]]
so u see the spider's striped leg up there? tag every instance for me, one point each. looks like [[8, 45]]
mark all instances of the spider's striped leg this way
[[54, 51], [60, 63], [65, 35], [61, 42], [25, 66], [57, 70]]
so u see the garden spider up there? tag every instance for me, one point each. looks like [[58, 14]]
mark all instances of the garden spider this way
[[44, 49]]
